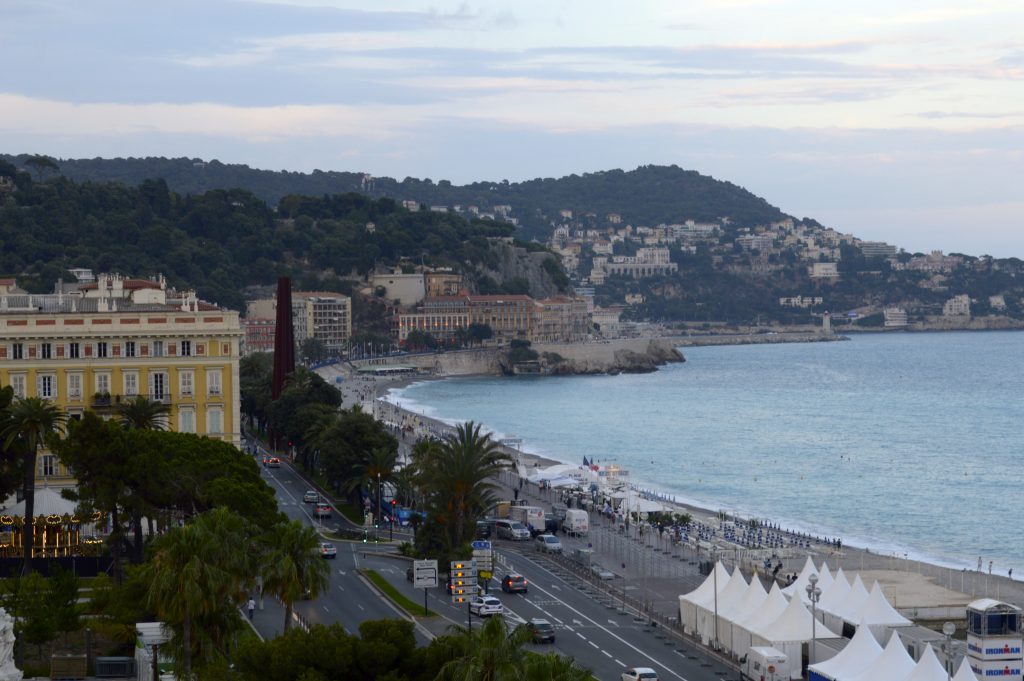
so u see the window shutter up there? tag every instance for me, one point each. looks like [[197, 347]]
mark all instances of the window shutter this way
[[117, 349], [32, 351], [39, 386], [87, 349], [144, 350], [60, 350]]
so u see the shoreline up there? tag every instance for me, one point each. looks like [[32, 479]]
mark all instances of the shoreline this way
[[890, 565]]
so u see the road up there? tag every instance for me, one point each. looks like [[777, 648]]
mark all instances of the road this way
[[590, 626]]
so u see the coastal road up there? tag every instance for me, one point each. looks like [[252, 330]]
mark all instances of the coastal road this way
[[590, 627], [349, 600]]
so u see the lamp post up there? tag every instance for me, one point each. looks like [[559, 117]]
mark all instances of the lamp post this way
[[814, 594], [714, 571], [377, 524], [948, 629]]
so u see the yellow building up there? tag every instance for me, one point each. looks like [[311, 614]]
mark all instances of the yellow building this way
[[119, 338]]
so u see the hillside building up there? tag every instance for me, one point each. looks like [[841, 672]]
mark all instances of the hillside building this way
[[957, 306], [402, 288], [324, 315]]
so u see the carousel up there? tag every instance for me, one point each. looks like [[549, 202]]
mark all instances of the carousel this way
[[57, 533]]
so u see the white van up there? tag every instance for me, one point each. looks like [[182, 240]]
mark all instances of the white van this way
[[531, 516], [577, 522], [765, 664]]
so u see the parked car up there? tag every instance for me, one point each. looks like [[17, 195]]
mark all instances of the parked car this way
[[542, 630], [273, 462], [322, 511], [327, 550], [484, 606], [640, 674], [311, 496], [514, 583], [548, 543]]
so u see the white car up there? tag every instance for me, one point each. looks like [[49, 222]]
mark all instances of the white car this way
[[640, 674], [485, 605], [548, 543]]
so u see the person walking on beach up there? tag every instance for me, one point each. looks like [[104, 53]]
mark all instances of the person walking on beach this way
[[979, 563], [990, 567]]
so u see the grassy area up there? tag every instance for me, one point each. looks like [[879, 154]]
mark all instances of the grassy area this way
[[393, 593]]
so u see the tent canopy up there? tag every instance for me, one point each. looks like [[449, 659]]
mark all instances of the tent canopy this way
[[928, 668], [893, 663], [858, 655], [877, 610], [48, 501], [848, 608], [795, 624]]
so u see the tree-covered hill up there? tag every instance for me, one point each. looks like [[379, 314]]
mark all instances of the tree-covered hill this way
[[648, 195], [221, 241]]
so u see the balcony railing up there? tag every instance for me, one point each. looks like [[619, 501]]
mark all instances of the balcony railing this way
[[107, 401]]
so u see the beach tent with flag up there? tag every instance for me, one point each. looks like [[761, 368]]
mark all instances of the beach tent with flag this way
[[728, 616], [894, 663], [928, 668], [688, 602], [706, 608], [766, 613], [878, 614], [789, 633], [848, 607], [858, 655]]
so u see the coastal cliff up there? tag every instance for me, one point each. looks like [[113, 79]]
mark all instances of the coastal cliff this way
[[633, 356]]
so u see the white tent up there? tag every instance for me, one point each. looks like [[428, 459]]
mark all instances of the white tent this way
[[749, 602], [879, 614], [893, 663], [769, 610], [848, 607], [706, 609], [48, 501], [965, 673], [928, 668], [858, 654], [835, 594], [825, 578], [688, 602], [789, 632], [801, 580]]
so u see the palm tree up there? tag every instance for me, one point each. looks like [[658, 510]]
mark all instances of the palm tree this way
[[292, 566], [377, 468], [144, 414], [30, 421], [492, 653], [459, 473], [554, 667], [198, 572]]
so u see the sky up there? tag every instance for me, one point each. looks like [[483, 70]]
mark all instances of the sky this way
[[895, 120]]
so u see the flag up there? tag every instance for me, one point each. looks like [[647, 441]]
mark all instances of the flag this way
[[586, 464]]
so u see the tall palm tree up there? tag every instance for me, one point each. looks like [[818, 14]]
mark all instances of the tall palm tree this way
[[142, 413], [30, 421], [459, 476], [292, 566], [198, 572], [377, 469]]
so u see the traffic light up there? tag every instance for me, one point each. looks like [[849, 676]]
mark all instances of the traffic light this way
[[394, 502]]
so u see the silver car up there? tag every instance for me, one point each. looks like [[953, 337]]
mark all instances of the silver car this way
[[548, 543]]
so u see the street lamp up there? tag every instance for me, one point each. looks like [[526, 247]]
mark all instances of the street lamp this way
[[714, 571], [813, 593], [377, 524], [948, 629]]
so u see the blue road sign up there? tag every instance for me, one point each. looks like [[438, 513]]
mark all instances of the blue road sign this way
[[481, 544]]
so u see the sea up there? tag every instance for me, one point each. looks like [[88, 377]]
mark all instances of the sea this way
[[909, 444]]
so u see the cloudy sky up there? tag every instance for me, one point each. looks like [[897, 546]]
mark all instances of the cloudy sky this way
[[899, 120]]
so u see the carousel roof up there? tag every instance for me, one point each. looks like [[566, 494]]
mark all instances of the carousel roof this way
[[48, 501]]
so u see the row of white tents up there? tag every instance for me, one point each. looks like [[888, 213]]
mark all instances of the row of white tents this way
[[737, 615], [864, 660]]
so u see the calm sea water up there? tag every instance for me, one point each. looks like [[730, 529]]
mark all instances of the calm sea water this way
[[905, 443]]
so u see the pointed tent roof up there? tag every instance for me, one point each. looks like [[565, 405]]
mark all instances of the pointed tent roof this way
[[893, 663], [928, 668], [707, 589], [835, 594], [825, 578], [732, 593], [748, 602], [964, 673], [852, 603], [857, 656], [801, 580], [877, 610], [795, 624], [48, 501], [770, 609]]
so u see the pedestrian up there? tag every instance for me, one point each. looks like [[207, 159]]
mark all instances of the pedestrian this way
[[990, 567], [979, 563], [251, 606]]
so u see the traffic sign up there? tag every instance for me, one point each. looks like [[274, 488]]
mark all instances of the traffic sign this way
[[463, 579], [424, 574], [481, 544]]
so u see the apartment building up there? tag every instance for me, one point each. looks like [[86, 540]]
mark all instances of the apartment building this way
[[118, 338], [324, 315], [561, 319]]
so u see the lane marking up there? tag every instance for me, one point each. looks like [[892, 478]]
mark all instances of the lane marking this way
[[606, 653], [594, 644], [581, 636]]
